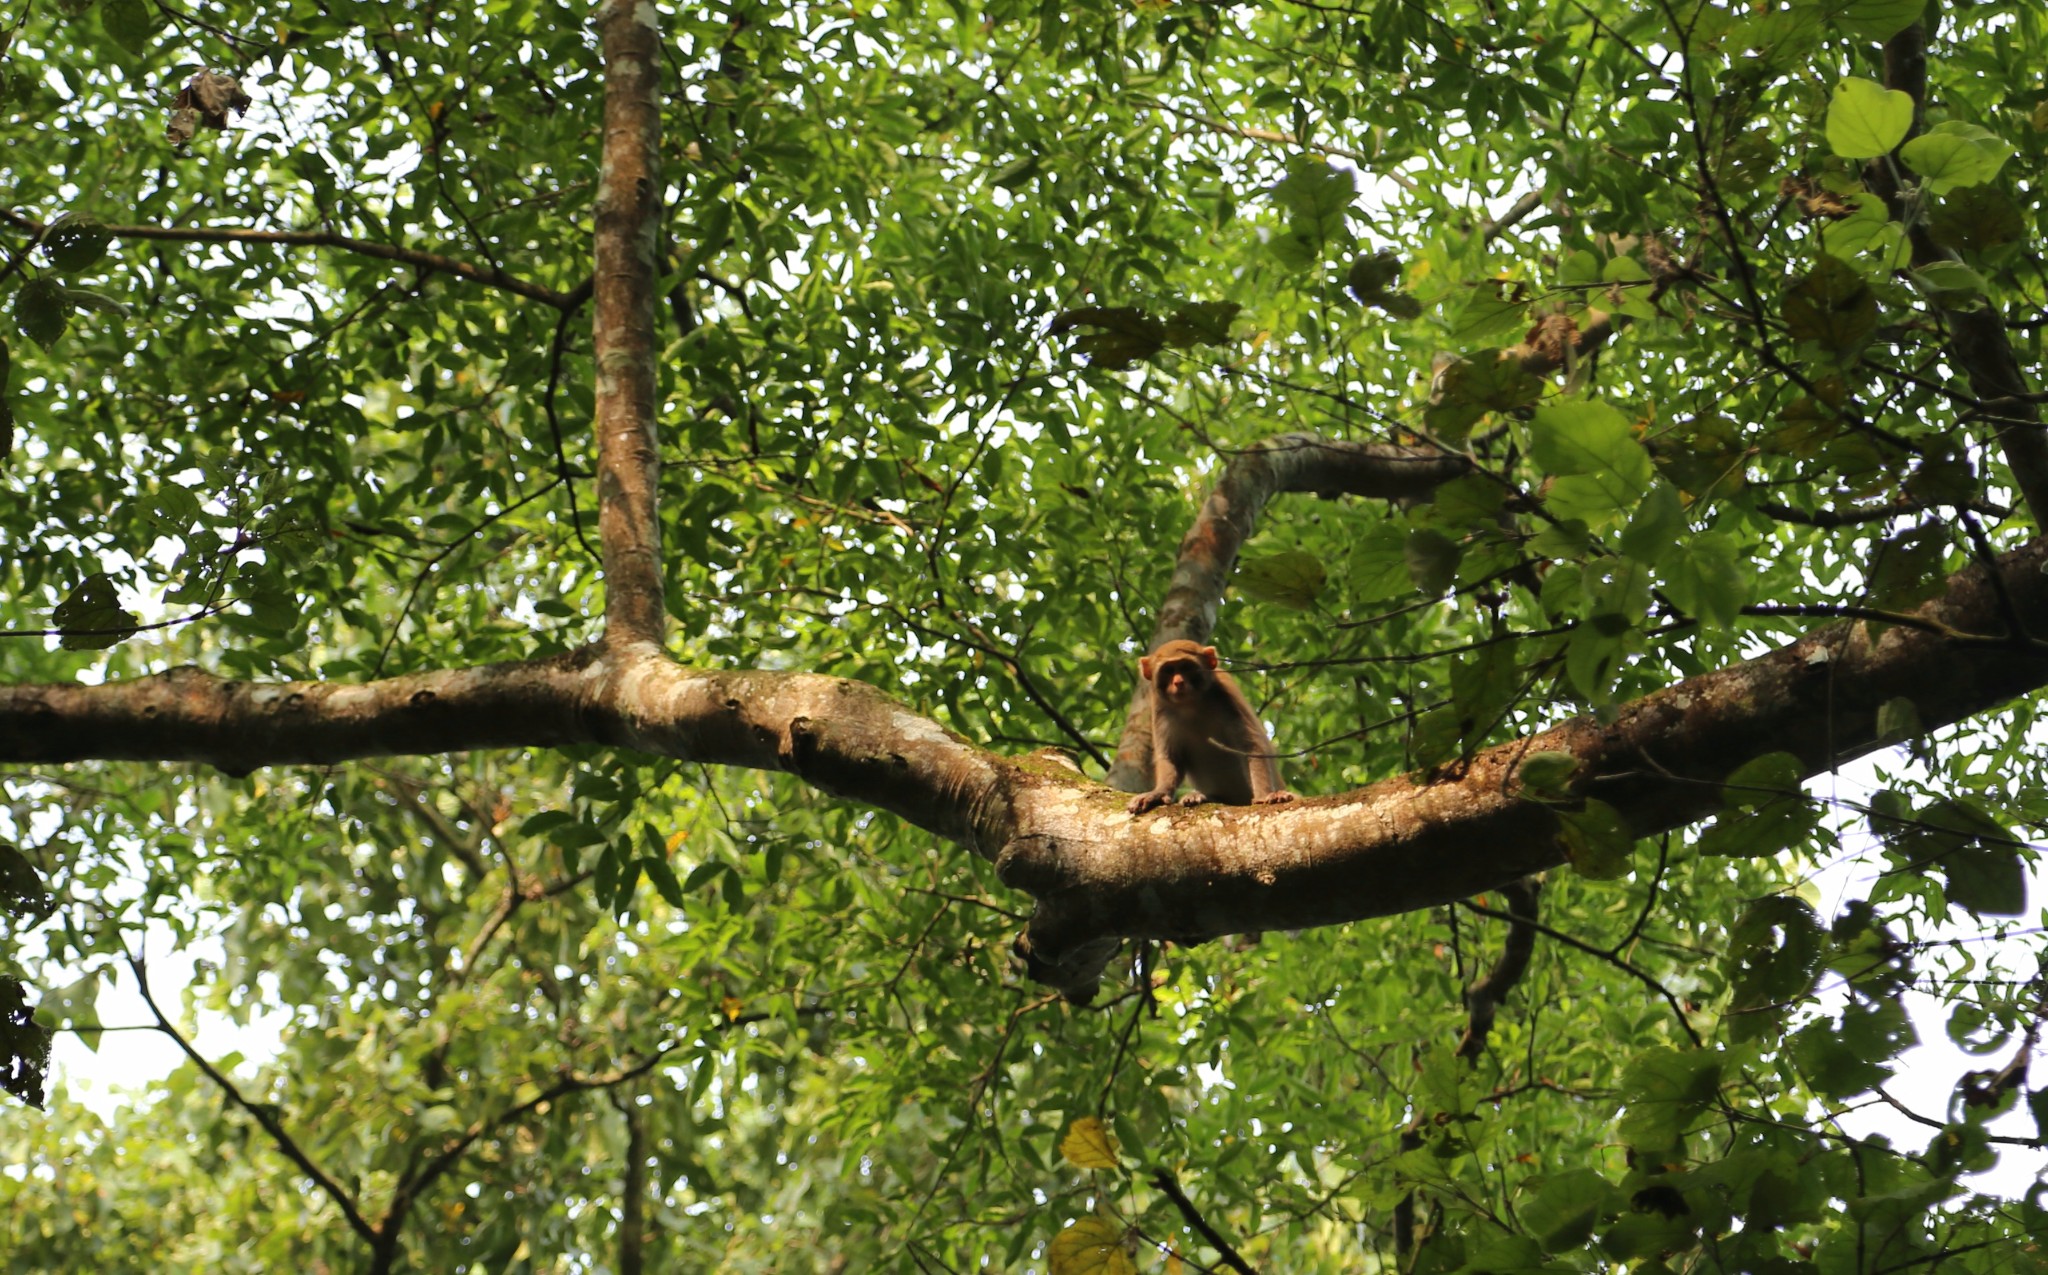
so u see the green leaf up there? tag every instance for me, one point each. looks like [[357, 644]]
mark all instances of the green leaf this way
[[1833, 306], [1566, 1208], [1908, 569], [1117, 336], [1019, 174], [1203, 322], [1707, 580], [1847, 1056], [128, 23], [1767, 812], [91, 615], [1489, 380], [1592, 659], [1866, 120], [1379, 562], [1629, 289], [1977, 856], [1291, 578], [41, 311], [1954, 154], [1597, 841], [71, 1005], [1665, 1090], [1898, 719], [1635, 1237], [1877, 20], [1871, 241], [1603, 470], [1774, 954], [22, 893], [1950, 283], [1316, 196], [703, 873], [1492, 309], [663, 878], [1588, 437], [1432, 559], [1547, 775], [76, 241], [1977, 221]]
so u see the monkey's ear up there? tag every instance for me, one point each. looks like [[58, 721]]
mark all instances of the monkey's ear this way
[[1145, 667], [1208, 654]]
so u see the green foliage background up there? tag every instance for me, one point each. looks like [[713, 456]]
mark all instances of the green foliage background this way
[[887, 458]]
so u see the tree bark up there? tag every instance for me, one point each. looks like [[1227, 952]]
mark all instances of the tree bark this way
[[628, 224], [1097, 873]]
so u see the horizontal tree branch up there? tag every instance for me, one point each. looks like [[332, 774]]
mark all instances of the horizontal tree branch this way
[[488, 275], [1097, 872]]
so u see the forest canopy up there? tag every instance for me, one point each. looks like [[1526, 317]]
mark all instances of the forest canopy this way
[[592, 563]]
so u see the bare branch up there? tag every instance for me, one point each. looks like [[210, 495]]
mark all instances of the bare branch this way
[[263, 1113], [623, 342], [1097, 873], [1483, 997], [1167, 1183], [432, 262]]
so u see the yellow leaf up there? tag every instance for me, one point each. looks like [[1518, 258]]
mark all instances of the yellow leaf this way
[[675, 839], [1088, 1145], [1091, 1246], [731, 1005]]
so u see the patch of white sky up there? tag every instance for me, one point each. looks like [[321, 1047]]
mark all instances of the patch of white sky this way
[[1927, 1075]]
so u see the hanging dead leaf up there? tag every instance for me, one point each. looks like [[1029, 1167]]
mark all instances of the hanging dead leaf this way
[[204, 102], [1088, 1145], [1091, 1246]]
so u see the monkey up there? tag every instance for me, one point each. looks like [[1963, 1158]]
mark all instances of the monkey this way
[[1204, 730]]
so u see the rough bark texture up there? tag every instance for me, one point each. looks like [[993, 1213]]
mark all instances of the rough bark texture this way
[[1414, 842], [1097, 872], [188, 715], [628, 221]]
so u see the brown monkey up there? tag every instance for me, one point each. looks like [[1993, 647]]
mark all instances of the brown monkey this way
[[1203, 730]]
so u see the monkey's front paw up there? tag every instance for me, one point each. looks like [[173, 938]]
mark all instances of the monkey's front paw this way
[[1194, 799], [1144, 801], [1273, 798]]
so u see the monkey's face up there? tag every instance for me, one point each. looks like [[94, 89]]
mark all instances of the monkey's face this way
[[1180, 681]]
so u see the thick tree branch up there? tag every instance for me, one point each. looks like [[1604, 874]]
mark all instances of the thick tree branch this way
[[1096, 872], [488, 275], [186, 715], [623, 343], [1412, 842]]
